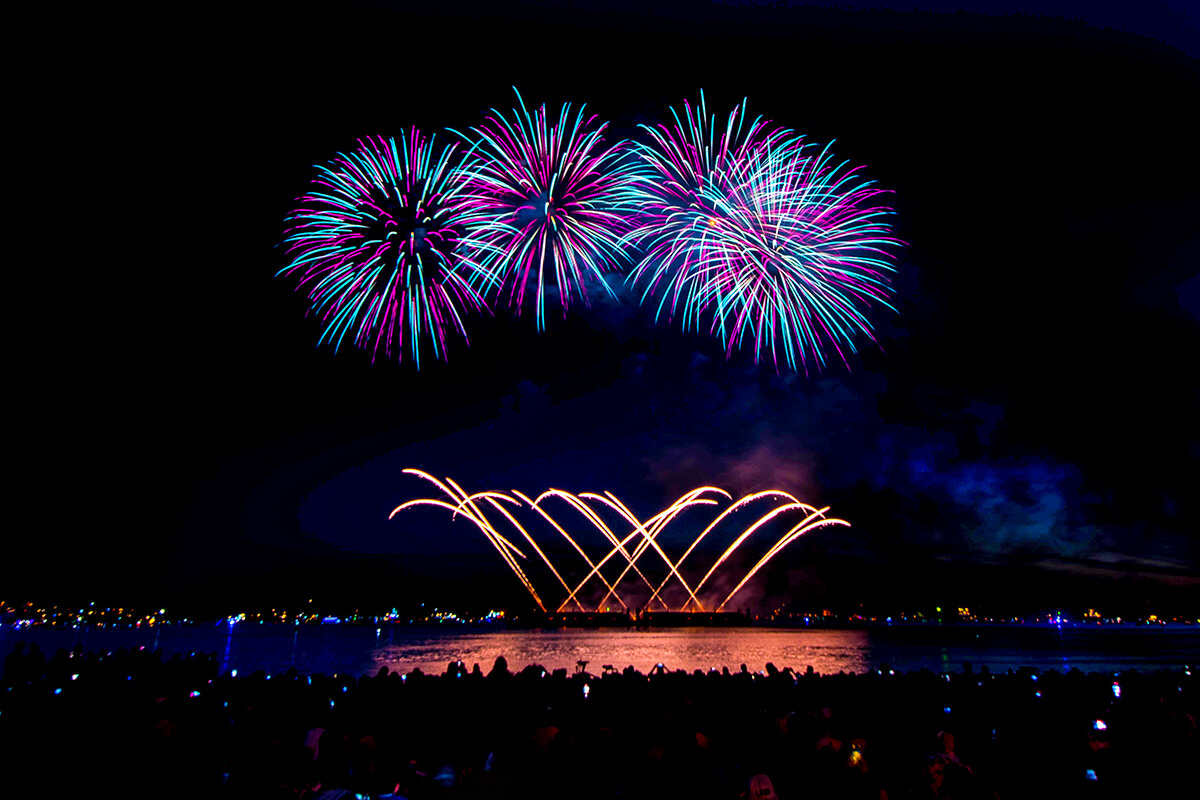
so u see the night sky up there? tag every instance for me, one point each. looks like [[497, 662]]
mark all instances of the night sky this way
[[1025, 434]]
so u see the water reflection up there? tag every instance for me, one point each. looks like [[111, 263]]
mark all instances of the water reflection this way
[[695, 648], [228, 647], [336, 648]]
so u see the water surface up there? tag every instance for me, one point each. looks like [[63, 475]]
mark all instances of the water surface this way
[[333, 648]]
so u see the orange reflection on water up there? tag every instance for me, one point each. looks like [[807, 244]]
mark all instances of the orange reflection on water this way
[[826, 651]]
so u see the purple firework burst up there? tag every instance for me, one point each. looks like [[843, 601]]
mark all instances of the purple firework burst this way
[[545, 203], [781, 248], [376, 245]]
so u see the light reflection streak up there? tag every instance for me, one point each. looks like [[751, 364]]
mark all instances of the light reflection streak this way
[[827, 651]]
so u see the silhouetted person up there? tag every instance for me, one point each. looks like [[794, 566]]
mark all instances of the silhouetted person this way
[[500, 668], [14, 666], [35, 663]]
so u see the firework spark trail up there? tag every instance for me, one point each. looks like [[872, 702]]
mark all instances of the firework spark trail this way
[[659, 523], [501, 542], [644, 534], [541, 196], [783, 248], [470, 501], [592, 517], [729, 551], [739, 504], [502, 545], [596, 569], [375, 243], [467, 508], [795, 533], [512, 521], [554, 523]]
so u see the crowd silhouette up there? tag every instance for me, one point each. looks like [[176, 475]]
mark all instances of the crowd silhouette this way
[[138, 723]]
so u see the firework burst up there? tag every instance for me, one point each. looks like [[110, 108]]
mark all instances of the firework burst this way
[[783, 248], [545, 203], [625, 549], [375, 244]]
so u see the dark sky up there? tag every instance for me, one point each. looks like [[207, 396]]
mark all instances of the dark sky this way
[[1026, 433]]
